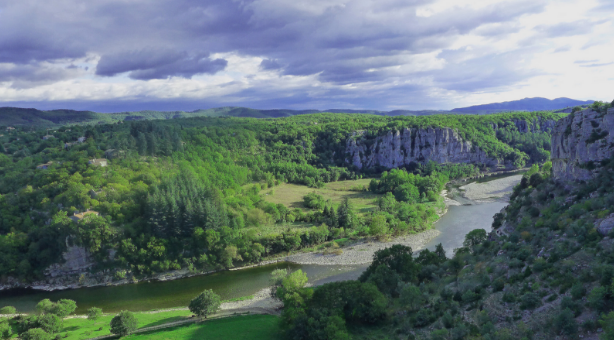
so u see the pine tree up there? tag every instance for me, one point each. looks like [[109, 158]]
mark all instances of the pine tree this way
[[334, 220], [141, 144], [346, 215], [152, 144], [177, 143]]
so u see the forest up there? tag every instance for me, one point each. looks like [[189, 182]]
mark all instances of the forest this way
[[545, 272], [187, 193]]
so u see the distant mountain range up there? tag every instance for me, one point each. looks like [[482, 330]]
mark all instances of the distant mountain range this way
[[33, 117], [527, 104]]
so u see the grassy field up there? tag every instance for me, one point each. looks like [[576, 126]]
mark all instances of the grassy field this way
[[250, 327], [291, 195], [77, 328]]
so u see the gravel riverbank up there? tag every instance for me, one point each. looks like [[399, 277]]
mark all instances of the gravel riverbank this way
[[362, 253], [495, 190]]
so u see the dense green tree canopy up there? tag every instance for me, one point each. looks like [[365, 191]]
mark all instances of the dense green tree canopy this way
[[180, 193]]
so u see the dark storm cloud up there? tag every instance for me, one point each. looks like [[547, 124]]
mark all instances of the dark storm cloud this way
[[341, 41], [155, 63], [30, 75], [269, 64], [332, 38]]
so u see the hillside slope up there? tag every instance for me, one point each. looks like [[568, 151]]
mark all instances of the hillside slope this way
[[526, 104], [546, 271]]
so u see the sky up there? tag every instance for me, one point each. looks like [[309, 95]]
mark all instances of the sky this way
[[124, 55]]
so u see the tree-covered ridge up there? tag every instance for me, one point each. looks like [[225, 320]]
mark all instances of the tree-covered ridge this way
[[185, 193], [545, 272]]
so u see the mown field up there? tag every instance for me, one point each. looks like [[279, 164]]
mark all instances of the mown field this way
[[291, 195], [250, 327], [78, 328]]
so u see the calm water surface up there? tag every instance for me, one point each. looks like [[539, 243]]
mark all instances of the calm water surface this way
[[166, 294], [459, 220]]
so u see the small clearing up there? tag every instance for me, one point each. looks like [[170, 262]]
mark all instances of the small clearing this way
[[291, 195]]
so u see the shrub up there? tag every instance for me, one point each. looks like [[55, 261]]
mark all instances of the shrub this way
[[8, 310], [529, 301], [596, 299], [578, 291], [509, 298], [206, 303], [5, 329], [565, 323], [498, 285], [50, 323], [568, 303], [607, 323], [35, 334], [314, 201], [123, 323], [94, 313]]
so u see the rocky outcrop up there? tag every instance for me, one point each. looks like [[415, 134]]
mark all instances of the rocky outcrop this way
[[579, 142], [606, 226], [76, 261], [398, 148]]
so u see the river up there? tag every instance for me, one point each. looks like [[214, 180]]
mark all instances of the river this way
[[454, 225]]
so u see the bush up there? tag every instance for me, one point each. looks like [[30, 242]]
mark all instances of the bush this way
[[566, 323], [314, 201], [94, 313], [607, 323], [529, 301], [385, 279], [35, 334], [597, 298], [8, 310], [498, 285], [5, 329], [123, 323], [578, 291], [378, 226], [206, 303], [568, 303], [62, 308], [411, 296], [50, 323]]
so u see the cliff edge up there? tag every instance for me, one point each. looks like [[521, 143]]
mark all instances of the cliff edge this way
[[580, 142]]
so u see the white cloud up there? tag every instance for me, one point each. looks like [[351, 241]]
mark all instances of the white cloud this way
[[392, 54]]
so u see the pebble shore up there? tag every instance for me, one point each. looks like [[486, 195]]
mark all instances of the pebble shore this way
[[495, 190], [362, 253]]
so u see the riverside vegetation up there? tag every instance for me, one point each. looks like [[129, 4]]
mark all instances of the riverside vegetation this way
[[187, 193], [544, 272], [50, 321]]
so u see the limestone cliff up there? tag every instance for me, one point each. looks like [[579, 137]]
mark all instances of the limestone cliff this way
[[394, 149], [579, 142]]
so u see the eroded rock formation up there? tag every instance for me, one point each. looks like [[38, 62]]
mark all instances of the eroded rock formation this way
[[579, 142], [394, 149]]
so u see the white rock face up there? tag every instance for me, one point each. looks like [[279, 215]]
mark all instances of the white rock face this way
[[77, 260], [587, 136], [442, 145]]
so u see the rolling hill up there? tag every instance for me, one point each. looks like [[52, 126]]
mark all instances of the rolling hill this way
[[38, 118], [527, 104]]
